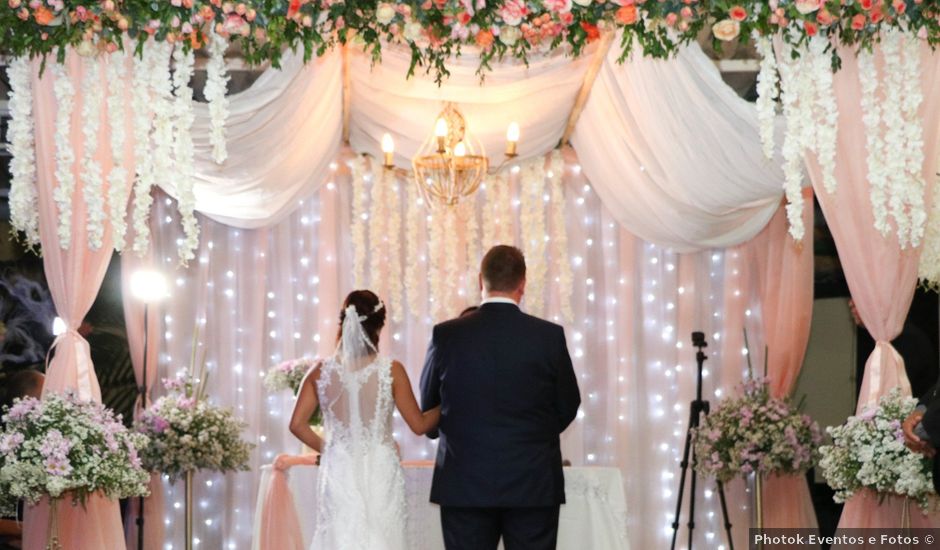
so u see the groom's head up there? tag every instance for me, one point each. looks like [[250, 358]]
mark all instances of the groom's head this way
[[502, 273]]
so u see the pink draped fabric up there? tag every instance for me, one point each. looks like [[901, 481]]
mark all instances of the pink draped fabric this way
[[780, 272], [881, 276], [74, 277], [134, 321], [785, 284], [280, 527]]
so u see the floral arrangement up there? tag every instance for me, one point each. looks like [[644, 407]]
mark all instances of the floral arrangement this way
[[435, 30], [868, 452], [186, 433], [288, 375], [755, 433], [64, 445]]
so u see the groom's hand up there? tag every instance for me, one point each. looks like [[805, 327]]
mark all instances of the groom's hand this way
[[911, 439]]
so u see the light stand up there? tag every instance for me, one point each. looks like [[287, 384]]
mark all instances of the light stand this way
[[698, 408], [147, 286]]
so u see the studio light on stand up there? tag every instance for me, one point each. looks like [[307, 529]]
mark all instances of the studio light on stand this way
[[148, 287], [697, 409]]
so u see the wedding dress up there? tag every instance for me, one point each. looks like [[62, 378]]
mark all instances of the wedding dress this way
[[361, 488]]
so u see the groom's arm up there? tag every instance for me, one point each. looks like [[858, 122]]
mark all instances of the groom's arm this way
[[431, 380], [567, 393]]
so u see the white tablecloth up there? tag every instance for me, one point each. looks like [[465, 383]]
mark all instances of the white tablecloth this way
[[593, 519]]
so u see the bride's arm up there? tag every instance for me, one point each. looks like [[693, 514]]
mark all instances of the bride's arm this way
[[303, 409], [419, 422]]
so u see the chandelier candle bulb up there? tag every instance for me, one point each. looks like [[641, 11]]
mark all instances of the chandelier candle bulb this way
[[512, 139], [460, 150], [440, 130], [388, 150]]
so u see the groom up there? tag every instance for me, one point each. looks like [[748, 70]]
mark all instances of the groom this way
[[507, 390]]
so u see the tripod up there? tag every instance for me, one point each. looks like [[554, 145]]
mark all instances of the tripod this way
[[698, 408]]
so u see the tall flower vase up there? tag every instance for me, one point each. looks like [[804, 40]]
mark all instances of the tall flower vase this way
[[759, 506], [189, 510], [52, 542]]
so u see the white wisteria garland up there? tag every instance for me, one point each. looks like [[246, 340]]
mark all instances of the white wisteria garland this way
[[357, 230], [436, 262], [768, 90], [142, 101], [825, 117], [894, 138], [559, 237], [378, 218], [532, 219], [468, 218], [118, 189], [184, 171], [393, 246], [24, 198], [92, 183], [215, 92], [490, 209], [450, 286], [65, 155], [413, 278]]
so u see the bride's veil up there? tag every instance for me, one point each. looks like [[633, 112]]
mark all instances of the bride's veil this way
[[353, 391]]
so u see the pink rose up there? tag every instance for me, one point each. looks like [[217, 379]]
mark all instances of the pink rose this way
[[558, 6], [512, 12], [234, 24]]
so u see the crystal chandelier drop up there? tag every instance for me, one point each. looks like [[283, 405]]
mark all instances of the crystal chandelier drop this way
[[451, 163]]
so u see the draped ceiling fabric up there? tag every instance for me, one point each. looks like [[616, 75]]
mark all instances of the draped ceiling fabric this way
[[283, 133], [673, 152]]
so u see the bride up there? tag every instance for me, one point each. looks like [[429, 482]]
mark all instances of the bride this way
[[361, 489]]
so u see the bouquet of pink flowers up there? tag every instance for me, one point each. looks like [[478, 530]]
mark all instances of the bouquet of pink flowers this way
[[755, 432], [64, 445], [187, 433]]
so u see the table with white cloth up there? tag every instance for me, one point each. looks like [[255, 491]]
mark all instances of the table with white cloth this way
[[593, 518]]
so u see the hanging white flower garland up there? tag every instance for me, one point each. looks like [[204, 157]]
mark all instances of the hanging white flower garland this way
[[65, 155], [92, 182], [185, 170], [393, 247], [357, 231], [436, 262], [215, 93], [118, 189], [490, 209], [448, 288], [413, 204], [826, 112], [142, 107], [532, 218], [505, 213], [559, 237], [378, 216], [768, 90], [468, 218], [894, 135], [24, 198]]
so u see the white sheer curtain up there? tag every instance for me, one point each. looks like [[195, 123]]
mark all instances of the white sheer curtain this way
[[675, 154], [259, 296]]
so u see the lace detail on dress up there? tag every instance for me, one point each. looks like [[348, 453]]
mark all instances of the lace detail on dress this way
[[361, 485]]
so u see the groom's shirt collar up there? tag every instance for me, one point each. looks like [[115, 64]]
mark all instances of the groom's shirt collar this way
[[499, 300]]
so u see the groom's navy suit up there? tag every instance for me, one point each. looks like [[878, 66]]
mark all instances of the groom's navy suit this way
[[507, 389]]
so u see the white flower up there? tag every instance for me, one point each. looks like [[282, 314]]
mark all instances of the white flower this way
[[726, 30], [65, 156], [86, 48], [392, 247], [767, 92], [413, 272], [532, 220], [184, 174], [412, 31], [142, 108], [509, 35], [92, 184], [807, 6], [215, 90], [584, 3], [357, 231], [378, 217], [118, 185], [385, 13], [559, 236], [24, 206]]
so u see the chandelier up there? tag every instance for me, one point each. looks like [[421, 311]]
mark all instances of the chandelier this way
[[451, 163]]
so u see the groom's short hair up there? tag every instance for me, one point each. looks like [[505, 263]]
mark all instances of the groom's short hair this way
[[503, 268]]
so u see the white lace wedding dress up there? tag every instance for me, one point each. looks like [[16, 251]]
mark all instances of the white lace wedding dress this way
[[361, 500]]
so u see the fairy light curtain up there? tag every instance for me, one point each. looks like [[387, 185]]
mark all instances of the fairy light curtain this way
[[269, 294]]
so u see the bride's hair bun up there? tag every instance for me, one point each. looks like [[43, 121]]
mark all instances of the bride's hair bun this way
[[369, 307]]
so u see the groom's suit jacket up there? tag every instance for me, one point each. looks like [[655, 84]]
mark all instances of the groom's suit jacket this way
[[507, 390]]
